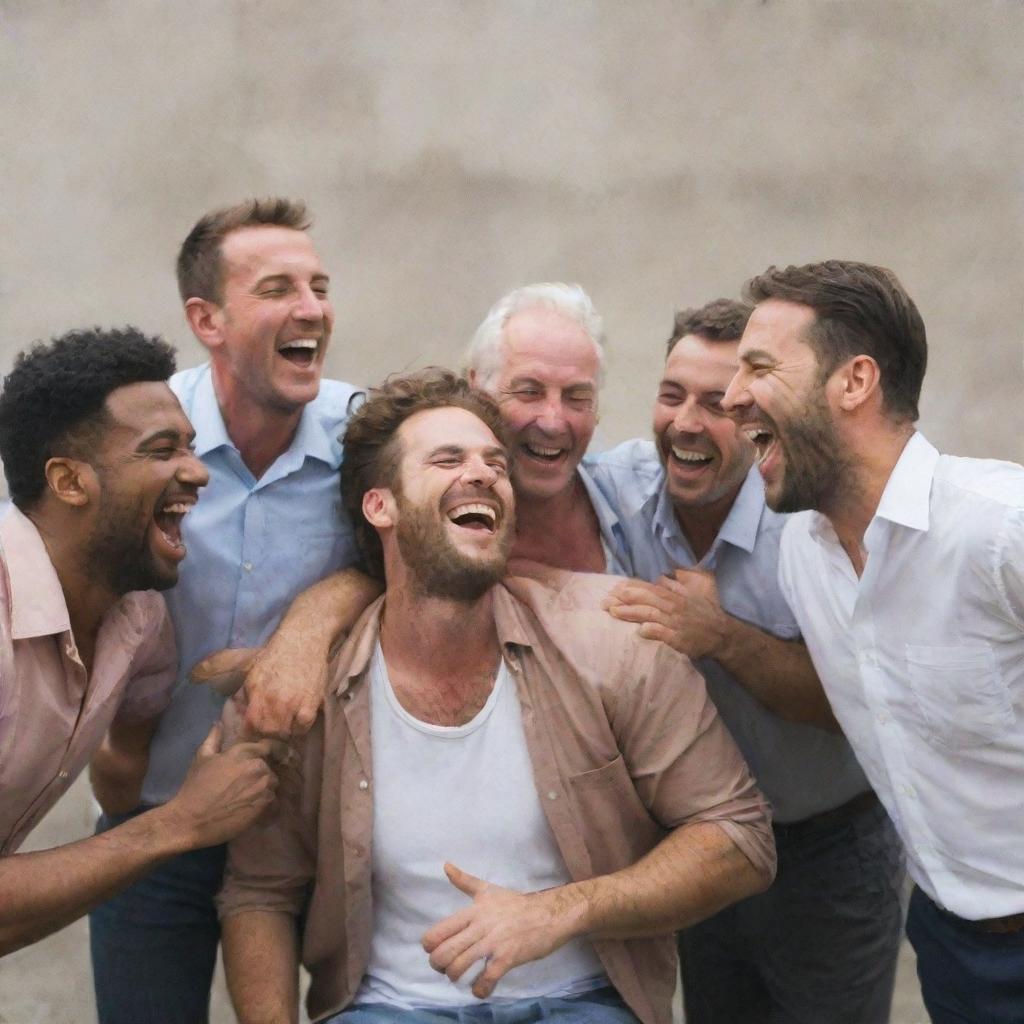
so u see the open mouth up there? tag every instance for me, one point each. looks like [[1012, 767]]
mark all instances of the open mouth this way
[[168, 521], [690, 459], [543, 452], [300, 352], [474, 515], [763, 440]]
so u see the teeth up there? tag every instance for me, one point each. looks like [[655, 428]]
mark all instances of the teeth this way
[[178, 508], [541, 450], [757, 434], [307, 343], [687, 456], [474, 508]]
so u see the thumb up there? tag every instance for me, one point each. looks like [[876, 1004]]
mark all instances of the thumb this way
[[211, 745], [463, 881]]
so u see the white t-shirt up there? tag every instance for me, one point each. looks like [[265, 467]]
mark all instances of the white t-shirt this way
[[463, 794]]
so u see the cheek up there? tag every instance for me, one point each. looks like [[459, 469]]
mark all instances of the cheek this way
[[516, 416], [583, 425]]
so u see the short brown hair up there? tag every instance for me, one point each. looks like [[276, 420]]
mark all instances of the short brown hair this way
[[718, 320], [200, 269], [372, 453], [859, 309]]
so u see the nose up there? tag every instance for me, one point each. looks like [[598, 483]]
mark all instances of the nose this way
[[308, 305], [688, 418], [479, 472], [736, 399], [191, 471], [551, 417]]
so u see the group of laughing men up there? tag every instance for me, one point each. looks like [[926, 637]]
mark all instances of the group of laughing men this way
[[477, 726]]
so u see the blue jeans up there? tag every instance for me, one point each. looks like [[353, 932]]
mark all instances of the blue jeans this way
[[967, 976], [819, 946], [599, 1006], [154, 945]]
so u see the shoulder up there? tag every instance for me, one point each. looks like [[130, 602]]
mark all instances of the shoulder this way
[[627, 473], [185, 382], [978, 484]]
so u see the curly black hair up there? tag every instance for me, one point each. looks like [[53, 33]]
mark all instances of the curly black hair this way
[[53, 400]]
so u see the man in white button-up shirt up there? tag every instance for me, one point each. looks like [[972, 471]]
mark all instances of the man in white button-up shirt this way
[[907, 579]]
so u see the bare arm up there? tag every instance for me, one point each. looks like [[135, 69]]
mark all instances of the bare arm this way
[[684, 611], [118, 768], [285, 681], [261, 962], [223, 793], [692, 873]]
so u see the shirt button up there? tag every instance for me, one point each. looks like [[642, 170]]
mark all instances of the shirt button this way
[[247, 566], [552, 795], [908, 790], [363, 784], [883, 717], [64, 776]]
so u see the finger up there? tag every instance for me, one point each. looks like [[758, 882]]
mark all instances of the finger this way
[[653, 596], [631, 590], [463, 880], [211, 745], [444, 930], [462, 963], [224, 671], [672, 637], [267, 749], [261, 719], [494, 970], [304, 718], [454, 946], [636, 613]]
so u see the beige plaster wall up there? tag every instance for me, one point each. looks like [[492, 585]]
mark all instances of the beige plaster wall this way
[[658, 153]]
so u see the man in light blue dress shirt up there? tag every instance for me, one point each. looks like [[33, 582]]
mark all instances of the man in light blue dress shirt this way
[[269, 525], [821, 944]]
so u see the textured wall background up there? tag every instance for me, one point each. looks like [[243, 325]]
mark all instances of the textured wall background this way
[[658, 153]]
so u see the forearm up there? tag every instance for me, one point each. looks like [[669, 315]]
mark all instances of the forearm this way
[[325, 612], [261, 962], [691, 874], [778, 673], [44, 891]]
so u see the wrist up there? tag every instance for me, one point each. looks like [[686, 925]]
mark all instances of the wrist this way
[[727, 637], [172, 829]]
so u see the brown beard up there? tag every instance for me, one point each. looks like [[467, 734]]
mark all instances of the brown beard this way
[[437, 567]]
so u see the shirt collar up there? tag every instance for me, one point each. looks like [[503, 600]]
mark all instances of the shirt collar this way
[[905, 500], [38, 607], [311, 439], [740, 526]]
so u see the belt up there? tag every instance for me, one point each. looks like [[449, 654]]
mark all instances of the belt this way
[[836, 816], [1008, 925]]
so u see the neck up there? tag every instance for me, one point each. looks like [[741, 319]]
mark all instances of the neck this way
[[439, 640], [701, 524], [872, 460], [259, 433], [87, 598], [539, 515]]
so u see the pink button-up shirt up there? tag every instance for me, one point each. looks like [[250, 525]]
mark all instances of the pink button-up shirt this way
[[625, 746], [53, 716]]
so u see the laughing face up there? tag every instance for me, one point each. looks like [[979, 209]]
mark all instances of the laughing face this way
[[149, 479], [779, 398], [270, 333], [547, 392], [705, 457], [454, 504]]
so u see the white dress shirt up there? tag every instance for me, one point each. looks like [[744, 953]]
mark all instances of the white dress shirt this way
[[923, 661]]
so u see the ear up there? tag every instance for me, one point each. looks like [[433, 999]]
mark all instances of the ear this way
[[379, 507], [71, 481], [206, 320], [856, 381]]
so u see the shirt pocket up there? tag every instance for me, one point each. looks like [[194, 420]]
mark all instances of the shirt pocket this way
[[960, 693], [617, 827]]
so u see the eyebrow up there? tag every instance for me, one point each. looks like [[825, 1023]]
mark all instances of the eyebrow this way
[[455, 449], [285, 278], [579, 385], [755, 354], [168, 434]]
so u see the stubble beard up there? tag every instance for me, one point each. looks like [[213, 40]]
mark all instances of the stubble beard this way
[[118, 550]]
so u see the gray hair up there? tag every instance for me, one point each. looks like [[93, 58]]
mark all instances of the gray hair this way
[[483, 355]]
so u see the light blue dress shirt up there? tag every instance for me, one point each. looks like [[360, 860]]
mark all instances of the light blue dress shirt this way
[[253, 545], [803, 770]]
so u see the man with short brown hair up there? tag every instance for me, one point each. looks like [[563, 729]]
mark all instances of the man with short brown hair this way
[[508, 798], [267, 427], [903, 569]]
